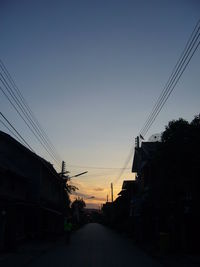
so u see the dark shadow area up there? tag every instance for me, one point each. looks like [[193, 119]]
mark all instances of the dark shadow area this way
[[160, 209]]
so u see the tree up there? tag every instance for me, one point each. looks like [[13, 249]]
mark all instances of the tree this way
[[179, 160], [181, 144], [176, 130], [196, 122], [78, 203], [70, 188], [77, 210], [177, 163]]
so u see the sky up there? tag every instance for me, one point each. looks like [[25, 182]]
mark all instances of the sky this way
[[91, 72]]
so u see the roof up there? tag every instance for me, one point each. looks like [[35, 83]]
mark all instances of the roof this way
[[143, 154], [9, 164], [128, 184], [121, 192]]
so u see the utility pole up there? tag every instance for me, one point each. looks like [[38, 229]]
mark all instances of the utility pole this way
[[112, 192], [63, 168], [137, 142], [64, 173]]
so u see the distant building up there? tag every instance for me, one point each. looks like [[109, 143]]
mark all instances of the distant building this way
[[107, 210], [128, 193], [31, 194]]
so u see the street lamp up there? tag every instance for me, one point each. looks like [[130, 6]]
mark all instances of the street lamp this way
[[63, 172], [69, 177], [78, 174]]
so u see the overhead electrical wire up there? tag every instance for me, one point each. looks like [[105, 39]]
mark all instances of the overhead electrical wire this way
[[172, 79], [164, 89], [168, 92], [25, 116], [14, 106], [31, 126], [27, 113], [93, 167], [127, 161], [182, 63], [19, 136], [21, 109], [34, 119], [13, 134], [185, 58], [161, 106]]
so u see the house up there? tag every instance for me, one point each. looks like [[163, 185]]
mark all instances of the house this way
[[119, 212], [127, 194], [165, 206], [31, 194], [13, 205], [142, 164], [145, 204]]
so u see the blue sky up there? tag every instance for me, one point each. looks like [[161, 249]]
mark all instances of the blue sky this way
[[92, 70]]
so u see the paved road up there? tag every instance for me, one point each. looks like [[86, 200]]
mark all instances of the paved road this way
[[95, 246]]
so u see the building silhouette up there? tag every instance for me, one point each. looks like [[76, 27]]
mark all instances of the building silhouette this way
[[32, 195]]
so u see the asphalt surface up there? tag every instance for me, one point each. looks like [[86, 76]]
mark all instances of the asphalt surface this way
[[95, 246]]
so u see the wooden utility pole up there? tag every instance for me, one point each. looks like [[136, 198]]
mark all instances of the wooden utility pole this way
[[137, 142], [63, 168], [112, 192]]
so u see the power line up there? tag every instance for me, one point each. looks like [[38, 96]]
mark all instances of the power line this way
[[158, 111], [26, 118], [130, 155], [25, 104], [93, 167], [177, 72], [18, 134], [19, 137], [13, 134], [87, 176], [31, 126], [171, 76], [167, 94]]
